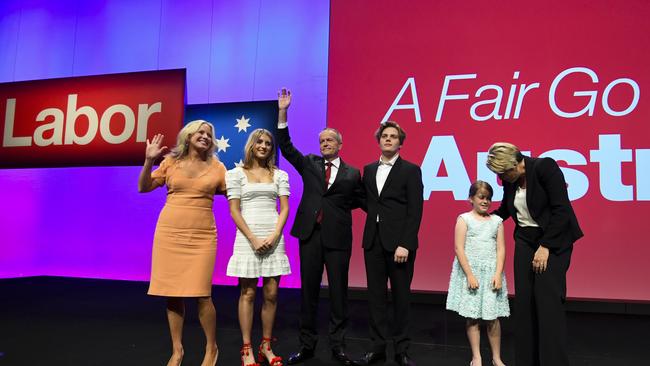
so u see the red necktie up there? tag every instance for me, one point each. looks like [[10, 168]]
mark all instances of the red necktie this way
[[328, 174]]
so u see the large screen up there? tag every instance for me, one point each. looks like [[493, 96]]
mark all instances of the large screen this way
[[564, 79]]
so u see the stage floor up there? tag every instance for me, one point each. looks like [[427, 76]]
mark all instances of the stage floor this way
[[66, 321]]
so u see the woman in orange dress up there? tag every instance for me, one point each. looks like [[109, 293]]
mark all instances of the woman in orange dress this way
[[185, 240]]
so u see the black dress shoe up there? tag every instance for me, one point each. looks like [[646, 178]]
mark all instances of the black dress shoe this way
[[339, 354], [370, 358], [303, 354], [403, 359]]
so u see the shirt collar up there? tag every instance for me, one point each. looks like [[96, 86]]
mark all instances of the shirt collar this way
[[335, 163], [391, 162]]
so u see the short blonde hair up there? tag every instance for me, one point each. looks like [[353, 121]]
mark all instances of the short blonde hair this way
[[250, 144], [503, 156], [182, 147]]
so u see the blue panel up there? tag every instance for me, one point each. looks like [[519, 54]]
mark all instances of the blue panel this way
[[292, 45], [9, 25], [117, 36], [91, 222], [292, 52], [234, 50], [45, 39], [185, 43]]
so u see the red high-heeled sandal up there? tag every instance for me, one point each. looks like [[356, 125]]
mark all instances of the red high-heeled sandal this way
[[275, 361], [246, 351]]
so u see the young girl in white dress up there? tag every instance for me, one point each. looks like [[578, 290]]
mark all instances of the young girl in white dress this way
[[253, 192], [477, 287]]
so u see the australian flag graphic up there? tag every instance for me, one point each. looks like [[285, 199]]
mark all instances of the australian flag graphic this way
[[233, 122]]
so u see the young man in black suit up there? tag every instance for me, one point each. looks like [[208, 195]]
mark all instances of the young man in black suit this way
[[323, 225], [393, 188]]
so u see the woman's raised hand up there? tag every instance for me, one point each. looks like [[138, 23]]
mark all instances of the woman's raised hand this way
[[154, 150]]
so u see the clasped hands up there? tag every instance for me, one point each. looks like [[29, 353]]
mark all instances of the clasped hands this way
[[261, 246]]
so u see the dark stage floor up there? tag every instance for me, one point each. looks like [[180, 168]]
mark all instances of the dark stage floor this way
[[64, 321]]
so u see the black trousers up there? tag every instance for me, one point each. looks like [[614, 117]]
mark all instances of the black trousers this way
[[540, 320], [381, 267], [313, 255]]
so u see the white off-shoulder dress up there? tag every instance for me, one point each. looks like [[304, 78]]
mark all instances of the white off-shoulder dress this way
[[259, 209]]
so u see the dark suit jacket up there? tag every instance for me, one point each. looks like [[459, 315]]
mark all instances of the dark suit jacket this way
[[548, 203], [336, 202], [399, 206]]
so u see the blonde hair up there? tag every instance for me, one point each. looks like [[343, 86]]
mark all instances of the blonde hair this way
[[503, 156], [249, 155], [183, 140]]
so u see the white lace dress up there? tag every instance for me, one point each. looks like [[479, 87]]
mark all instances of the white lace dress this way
[[481, 251], [259, 209]]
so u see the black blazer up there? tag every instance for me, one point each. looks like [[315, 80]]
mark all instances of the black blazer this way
[[548, 203], [336, 202], [399, 206]]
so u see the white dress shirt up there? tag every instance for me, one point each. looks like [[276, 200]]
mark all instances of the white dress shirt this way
[[383, 170], [334, 170], [382, 173], [523, 214]]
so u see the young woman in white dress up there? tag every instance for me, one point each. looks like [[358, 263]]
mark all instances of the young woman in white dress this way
[[253, 193]]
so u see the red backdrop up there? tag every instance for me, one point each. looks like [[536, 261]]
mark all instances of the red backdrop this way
[[566, 79]]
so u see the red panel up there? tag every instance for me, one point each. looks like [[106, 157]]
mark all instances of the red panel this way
[[86, 121], [376, 47]]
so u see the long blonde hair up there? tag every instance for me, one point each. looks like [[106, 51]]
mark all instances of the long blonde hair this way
[[249, 155], [183, 140]]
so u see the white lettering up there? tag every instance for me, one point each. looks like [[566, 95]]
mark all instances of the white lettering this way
[[8, 139], [635, 99], [144, 112], [589, 108], [105, 124], [60, 128], [72, 114], [410, 83], [443, 149], [611, 156], [56, 126], [445, 89], [496, 101], [643, 174]]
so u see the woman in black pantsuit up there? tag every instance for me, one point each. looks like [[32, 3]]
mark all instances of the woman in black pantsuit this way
[[535, 196]]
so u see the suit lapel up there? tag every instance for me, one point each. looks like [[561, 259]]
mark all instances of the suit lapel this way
[[393, 172], [321, 169], [339, 174], [372, 172], [530, 183]]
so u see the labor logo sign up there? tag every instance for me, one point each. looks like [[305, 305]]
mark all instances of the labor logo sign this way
[[90, 120]]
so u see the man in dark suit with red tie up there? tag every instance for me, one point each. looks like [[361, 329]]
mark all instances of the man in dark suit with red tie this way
[[393, 188], [323, 225]]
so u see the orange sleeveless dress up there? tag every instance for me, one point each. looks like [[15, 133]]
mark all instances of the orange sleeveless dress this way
[[185, 241]]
